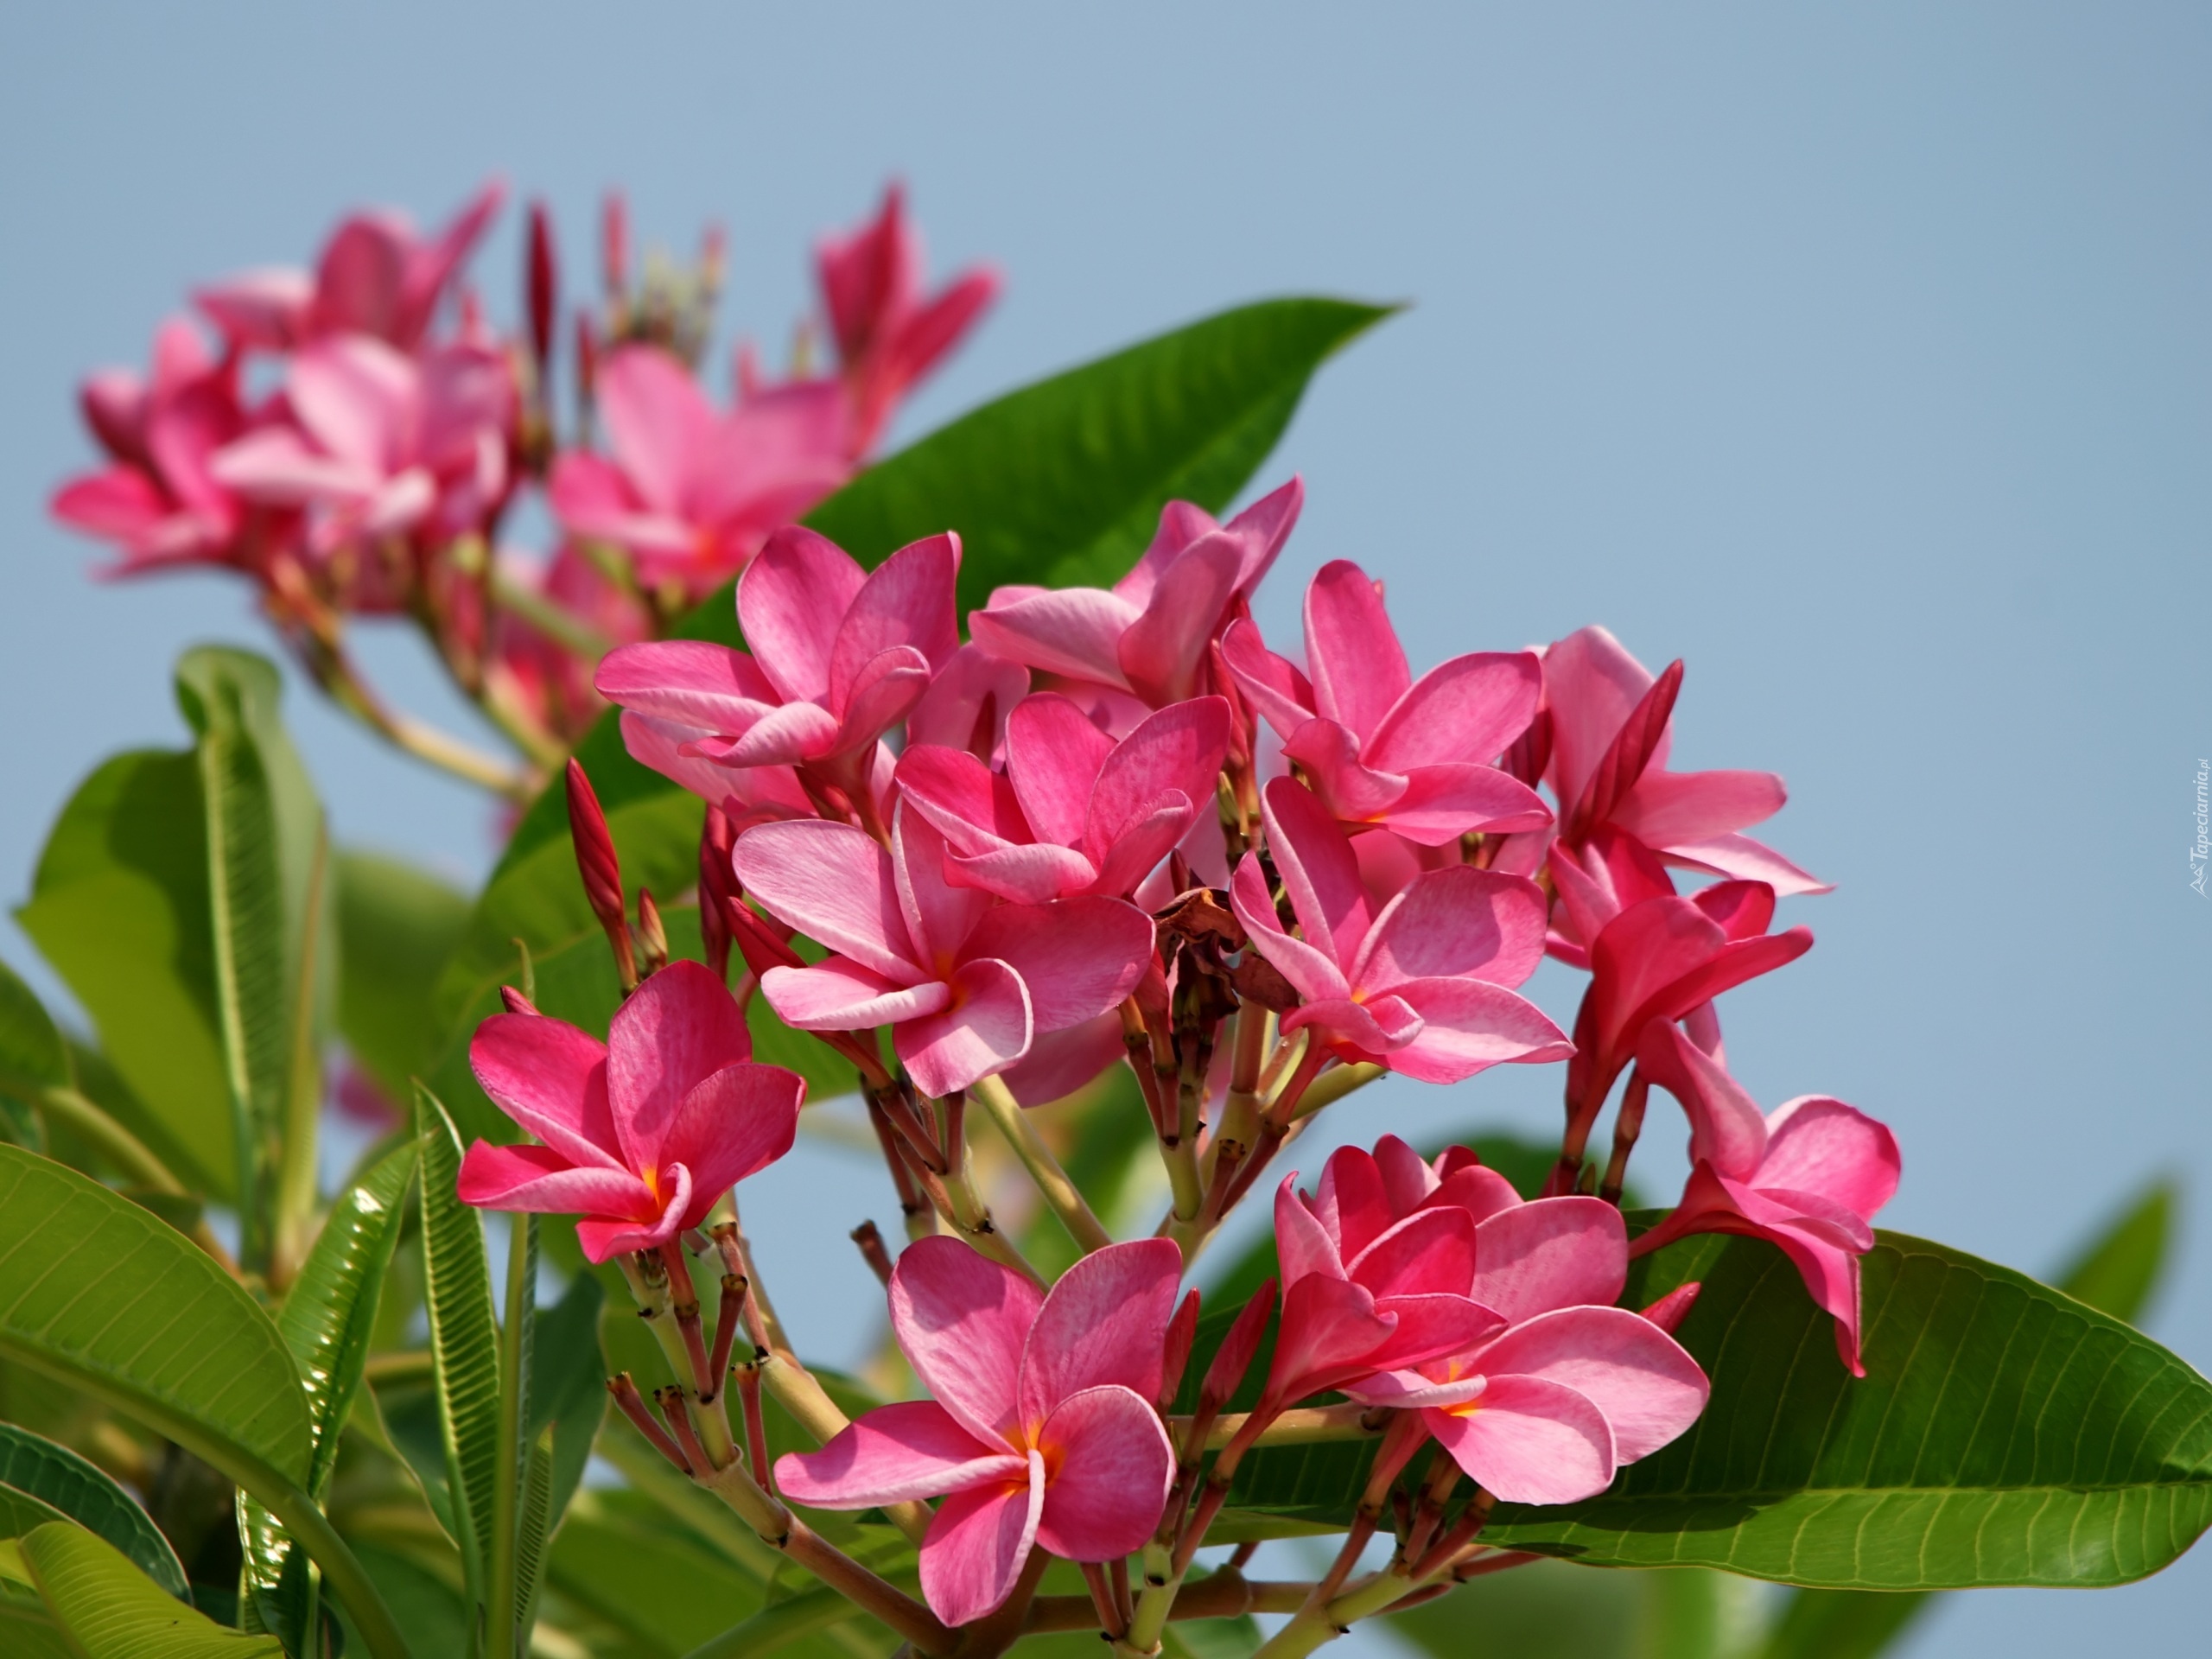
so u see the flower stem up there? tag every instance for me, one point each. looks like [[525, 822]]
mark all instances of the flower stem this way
[[336, 673], [1064, 1198]]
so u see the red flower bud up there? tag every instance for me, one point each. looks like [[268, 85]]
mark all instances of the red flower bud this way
[[1670, 1310], [542, 286], [717, 888], [650, 934], [614, 245], [1233, 1357], [1630, 752], [601, 869], [1175, 1355]]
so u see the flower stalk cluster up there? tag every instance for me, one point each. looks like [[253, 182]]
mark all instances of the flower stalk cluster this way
[[1117, 828]]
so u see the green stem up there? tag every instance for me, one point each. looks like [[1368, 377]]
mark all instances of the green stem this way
[[132, 1158], [1059, 1193], [555, 623], [515, 1345]]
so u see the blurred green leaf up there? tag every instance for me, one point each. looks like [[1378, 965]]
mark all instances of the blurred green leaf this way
[[112, 1611], [1550, 1610], [66, 1487], [1059, 482], [2114, 1273], [33, 1056], [396, 925], [464, 1338], [567, 1389]]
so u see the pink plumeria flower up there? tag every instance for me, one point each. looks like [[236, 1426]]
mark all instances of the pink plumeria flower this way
[[1423, 986], [158, 500], [1042, 1432], [641, 1134], [1561, 1387], [1808, 1177], [1074, 811], [965, 983], [381, 445], [1148, 638], [840, 655], [692, 495], [1379, 747], [968, 703], [1663, 960], [1611, 731], [888, 336], [377, 277]]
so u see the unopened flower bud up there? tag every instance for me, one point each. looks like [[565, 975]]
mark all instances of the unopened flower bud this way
[[601, 870], [1233, 1357], [1175, 1355], [542, 287], [614, 245], [756, 941], [1630, 753], [651, 932], [1670, 1310], [717, 889], [515, 1002]]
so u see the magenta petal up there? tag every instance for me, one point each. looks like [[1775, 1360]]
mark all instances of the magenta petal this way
[[1144, 838], [973, 808], [1741, 857], [1053, 754], [1478, 1190], [604, 1237], [676, 1030], [1178, 750], [906, 601], [1727, 1130], [895, 1454], [1317, 865], [1071, 630], [1159, 652], [1034, 874], [1330, 1327], [1430, 1252], [939, 914], [1312, 972], [1060, 1062], [1272, 686], [1467, 1026], [1666, 807], [961, 1321], [1351, 651], [1591, 685], [540, 1180], [1303, 1244], [1433, 1325], [883, 690], [551, 1079], [789, 602], [788, 736], [1078, 957], [842, 995], [986, 1028], [973, 684], [692, 682], [1648, 1388], [977, 1544], [1353, 1200], [1529, 1441], [1818, 1145], [1104, 1323], [1441, 803], [1551, 1253], [734, 1123], [1111, 1464], [1469, 710], [835, 885], [1456, 922]]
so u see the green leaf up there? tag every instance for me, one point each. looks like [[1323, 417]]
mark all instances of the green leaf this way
[[1061, 482], [1552, 1610], [396, 925], [66, 1486], [2113, 1273], [535, 1527], [33, 1057], [119, 905], [96, 1291], [464, 1338], [567, 1389], [111, 1611], [327, 1320]]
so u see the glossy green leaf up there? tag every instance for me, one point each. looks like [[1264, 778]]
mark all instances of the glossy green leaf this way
[[464, 1337], [63, 1484], [97, 1292], [326, 1321], [1552, 1610], [1059, 482], [111, 1611], [396, 925], [2114, 1273], [33, 1056]]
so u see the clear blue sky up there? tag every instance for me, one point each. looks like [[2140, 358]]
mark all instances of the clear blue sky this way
[[1858, 355]]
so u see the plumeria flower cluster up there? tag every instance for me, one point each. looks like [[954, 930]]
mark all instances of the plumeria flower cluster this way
[[1120, 828], [354, 440]]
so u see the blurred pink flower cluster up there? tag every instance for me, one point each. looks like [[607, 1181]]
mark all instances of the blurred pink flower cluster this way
[[353, 439], [1116, 825]]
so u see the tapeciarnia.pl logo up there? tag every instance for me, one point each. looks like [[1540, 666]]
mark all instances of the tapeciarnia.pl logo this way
[[2200, 853]]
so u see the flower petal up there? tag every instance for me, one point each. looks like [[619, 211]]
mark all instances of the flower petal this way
[[1316, 864], [1727, 1129], [676, 1029], [1179, 749], [1470, 710], [1649, 1388], [1815, 1144], [842, 995], [961, 1320], [1529, 1441], [1431, 1252], [1453, 922], [1467, 1026], [835, 885], [977, 1543], [1352, 652], [1273, 684], [986, 1027], [789, 602], [1078, 957], [1053, 754], [734, 1123], [540, 1180], [939, 915], [906, 601], [692, 682], [1104, 1322], [895, 1454], [1111, 1464], [1071, 630], [1551, 1253], [551, 1079], [1159, 652]]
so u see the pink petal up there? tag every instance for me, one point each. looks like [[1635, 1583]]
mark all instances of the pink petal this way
[[1381, 1027], [266, 308], [1456, 922], [1351, 651], [1431, 1252], [1649, 1390], [1440, 804], [1352, 1202], [977, 1545], [939, 915], [842, 995], [1831, 1276], [1159, 652], [1742, 857], [972, 807], [540, 1180], [906, 601], [360, 277], [961, 1321], [1432, 1327], [605, 1237], [1328, 753], [1110, 1464], [1025, 876], [1177, 750], [657, 424], [1313, 974], [1551, 1253], [1071, 630], [1665, 807], [1467, 710], [1104, 1323], [895, 1454], [1815, 1144], [1078, 957], [1467, 1026], [1407, 1180], [121, 502], [1317, 865], [1304, 1244], [1529, 1441], [733, 1124], [882, 691], [1059, 1063], [835, 885], [1478, 1190], [1591, 685], [1727, 1130], [1053, 754], [359, 398], [1329, 1327], [790, 601], [662, 746], [1274, 685], [1262, 528], [692, 682], [972, 684], [788, 736], [986, 1028], [676, 1030], [551, 1079]]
